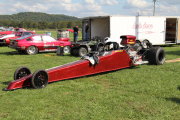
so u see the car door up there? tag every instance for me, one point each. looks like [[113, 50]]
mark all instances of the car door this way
[[50, 44], [38, 42]]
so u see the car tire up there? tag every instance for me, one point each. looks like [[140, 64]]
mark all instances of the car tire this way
[[31, 50], [156, 56], [138, 42], [60, 51], [74, 52], [39, 79], [21, 72], [82, 51], [116, 46], [66, 50], [146, 44], [100, 48]]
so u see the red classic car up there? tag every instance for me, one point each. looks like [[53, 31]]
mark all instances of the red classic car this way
[[11, 30], [32, 44], [5, 39]]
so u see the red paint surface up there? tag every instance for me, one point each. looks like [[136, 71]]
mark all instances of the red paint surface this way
[[118, 59], [23, 44]]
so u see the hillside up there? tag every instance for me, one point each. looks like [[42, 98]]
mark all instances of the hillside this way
[[37, 17]]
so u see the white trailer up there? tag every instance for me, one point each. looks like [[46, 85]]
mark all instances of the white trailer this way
[[159, 30]]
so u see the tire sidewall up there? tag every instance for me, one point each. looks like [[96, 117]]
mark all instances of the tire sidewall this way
[[160, 53], [66, 48], [28, 50], [81, 50], [20, 68], [33, 79], [156, 56]]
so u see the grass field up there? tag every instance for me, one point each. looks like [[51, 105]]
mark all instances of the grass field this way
[[145, 92]]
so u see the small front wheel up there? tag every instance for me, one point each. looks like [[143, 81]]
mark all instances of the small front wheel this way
[[39, 79], [21, 72]]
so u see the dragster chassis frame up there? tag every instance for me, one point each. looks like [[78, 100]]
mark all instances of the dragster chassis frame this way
[[113, 60]]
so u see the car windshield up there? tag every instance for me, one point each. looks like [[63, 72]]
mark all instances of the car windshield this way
[[23, 37], [26, 33], [47, 38]]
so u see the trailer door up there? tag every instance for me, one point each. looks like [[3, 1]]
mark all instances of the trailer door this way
[[99, 28], [178, 31], [151, 28], [171, 30]]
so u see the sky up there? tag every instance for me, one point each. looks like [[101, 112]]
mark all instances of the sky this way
[[85, 8]]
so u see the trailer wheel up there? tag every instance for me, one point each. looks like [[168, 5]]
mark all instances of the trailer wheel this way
[[39, 79], [31, 50], [21, 72], [82, 51], [74, 51], [156, 56]]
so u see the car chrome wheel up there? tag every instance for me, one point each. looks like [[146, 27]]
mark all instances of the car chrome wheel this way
[[66, 49], [31, 50]]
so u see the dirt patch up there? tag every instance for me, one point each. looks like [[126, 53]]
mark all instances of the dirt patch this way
[[172, 61]]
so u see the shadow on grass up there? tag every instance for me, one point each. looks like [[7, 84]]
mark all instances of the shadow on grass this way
[[178, 87], [5, 83], [173, 52], [174, 99], [12, 53], [23, 53]]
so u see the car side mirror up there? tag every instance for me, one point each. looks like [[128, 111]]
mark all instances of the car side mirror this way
[[29, 39]]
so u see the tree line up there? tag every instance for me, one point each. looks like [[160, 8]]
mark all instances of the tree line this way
[[41, 24]]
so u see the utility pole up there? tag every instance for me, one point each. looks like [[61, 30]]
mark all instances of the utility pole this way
[[154, 8]]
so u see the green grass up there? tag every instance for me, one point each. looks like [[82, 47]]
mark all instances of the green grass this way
[[145, 92]]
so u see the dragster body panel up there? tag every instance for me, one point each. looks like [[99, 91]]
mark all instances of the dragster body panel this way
[[115, 60]]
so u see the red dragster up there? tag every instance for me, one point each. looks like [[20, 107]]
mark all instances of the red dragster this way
[[32, 44], [5, 39], [131, 55]]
